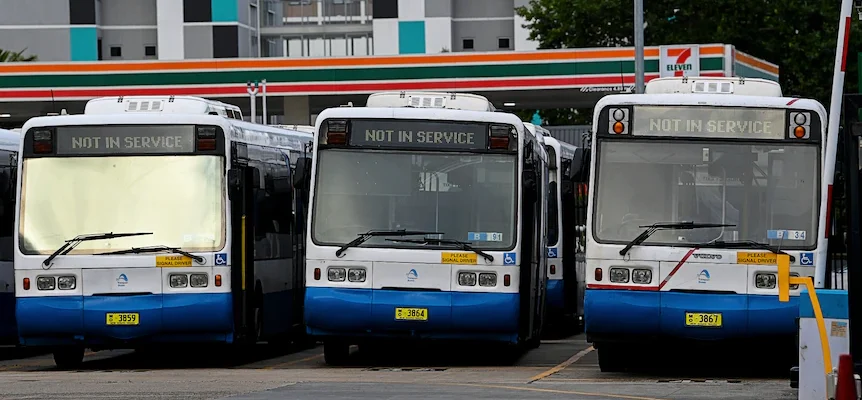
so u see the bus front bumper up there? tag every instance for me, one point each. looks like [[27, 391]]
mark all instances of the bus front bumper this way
[[370, 313], [640, 314], [64, 320]]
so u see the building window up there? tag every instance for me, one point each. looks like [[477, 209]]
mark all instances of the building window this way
[[150, 51], [503, 43], [116, 51], [468, 44]]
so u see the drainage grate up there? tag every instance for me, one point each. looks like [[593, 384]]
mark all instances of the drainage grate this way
[[406, 369]]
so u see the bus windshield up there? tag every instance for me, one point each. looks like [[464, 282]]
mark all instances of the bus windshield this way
[[180, 199], [468, 197], [769, 191]]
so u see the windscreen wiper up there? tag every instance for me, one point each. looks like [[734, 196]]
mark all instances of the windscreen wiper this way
[[667, 225], [71, 243], [363, 237], [462, 245], [156, 249], [735, 244]]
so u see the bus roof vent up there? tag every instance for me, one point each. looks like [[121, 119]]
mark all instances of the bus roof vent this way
[[452, 101], [143, 105], [714, 85]]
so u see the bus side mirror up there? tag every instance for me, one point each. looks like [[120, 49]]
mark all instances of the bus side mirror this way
[[302, 175]]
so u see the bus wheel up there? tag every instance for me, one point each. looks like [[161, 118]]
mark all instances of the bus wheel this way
[[258, 323], [335, 352], [69, 357], [611, 358]]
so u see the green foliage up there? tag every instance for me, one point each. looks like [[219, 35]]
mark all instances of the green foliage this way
[[10, 56], [798, 35]]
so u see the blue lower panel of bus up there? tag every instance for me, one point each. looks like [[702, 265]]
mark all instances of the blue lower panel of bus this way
[[451, 315], [555, 296], [162, 318], [622, 313], [8, 330]]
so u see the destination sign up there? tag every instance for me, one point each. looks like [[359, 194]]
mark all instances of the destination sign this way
[[126, 139], [419, 134], [709, 122]]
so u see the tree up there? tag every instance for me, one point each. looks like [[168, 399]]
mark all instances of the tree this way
[[10, 56], [798, 35]]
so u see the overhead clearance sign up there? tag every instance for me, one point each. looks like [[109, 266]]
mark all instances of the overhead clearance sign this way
[[679, 61]]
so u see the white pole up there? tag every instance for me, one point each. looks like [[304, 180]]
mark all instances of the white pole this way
[[832, 130], [639, 46], [263, 88], [252, 93]]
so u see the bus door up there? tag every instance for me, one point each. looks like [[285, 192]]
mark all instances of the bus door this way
[[300, 179], [529, 262], [242, 180]]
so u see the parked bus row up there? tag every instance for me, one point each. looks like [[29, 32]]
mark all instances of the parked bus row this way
[[151, 220]]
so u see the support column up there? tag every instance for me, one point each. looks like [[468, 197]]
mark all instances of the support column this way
[[297, 110], [171, 31]]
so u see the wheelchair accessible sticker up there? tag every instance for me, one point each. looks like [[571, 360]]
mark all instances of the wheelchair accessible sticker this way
[[221, 259], [509, 258], [806, 258]]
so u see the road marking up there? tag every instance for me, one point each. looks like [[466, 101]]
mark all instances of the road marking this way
[[284, 364], [562, 365], [535, 389]]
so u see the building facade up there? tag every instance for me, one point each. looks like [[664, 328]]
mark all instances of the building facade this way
[[91, 30]]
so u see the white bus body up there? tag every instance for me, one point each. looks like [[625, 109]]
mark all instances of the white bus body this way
[[194, 183], [703, 158], [161, 104], [435, 172]]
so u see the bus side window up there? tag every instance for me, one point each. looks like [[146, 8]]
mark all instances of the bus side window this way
[[553, 212], [8, 176]]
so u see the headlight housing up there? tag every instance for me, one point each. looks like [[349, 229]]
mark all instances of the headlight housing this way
[[45, 283], [199, 280], [764, 280], [336, 274], [356, 274], [641, 276], [66, 282], [488, 279], [179, 280], [467, 279], [619, 275]]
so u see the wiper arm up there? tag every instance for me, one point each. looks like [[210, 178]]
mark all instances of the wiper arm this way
[[72, 243], [746, 243], [462, 245], [156, 249], [667, 225], [363, 237]]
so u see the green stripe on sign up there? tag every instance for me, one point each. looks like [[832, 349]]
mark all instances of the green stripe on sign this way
[[325, 75], [712, 64], [748, 72]]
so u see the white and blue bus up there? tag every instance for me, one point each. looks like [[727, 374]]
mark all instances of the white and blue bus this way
[[157, 225], [10, 142], [427, 222], [696, 186], [567, 166]]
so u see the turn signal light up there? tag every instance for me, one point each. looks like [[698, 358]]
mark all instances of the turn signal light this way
[[317, 274], [26, 283], [553, 269], [598, 275], [507, 280], [336, 138], [799, 132], [619, 127], [218, 280]]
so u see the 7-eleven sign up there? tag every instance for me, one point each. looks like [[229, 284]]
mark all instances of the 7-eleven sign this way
[[679, 61]]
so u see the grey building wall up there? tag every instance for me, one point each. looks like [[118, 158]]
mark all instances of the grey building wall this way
[[244, 44], [198, 41], [132, 43], [438, 8], [482, 8], [47, 44], [128, 12], [485, 34], [34, 12]]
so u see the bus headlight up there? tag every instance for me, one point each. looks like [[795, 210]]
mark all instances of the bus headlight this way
[[764, 281], [466, 279], [642, 276], [488, 279], [356, 274], [66, 282], [45, 283], [336, 274], [179, 280], [199, 280], [619, 275]]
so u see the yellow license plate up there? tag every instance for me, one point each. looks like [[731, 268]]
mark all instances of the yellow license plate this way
[[703, 319], [411, 314], [122, 319]]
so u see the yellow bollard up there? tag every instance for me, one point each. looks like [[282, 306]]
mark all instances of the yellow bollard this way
[[784, 282]]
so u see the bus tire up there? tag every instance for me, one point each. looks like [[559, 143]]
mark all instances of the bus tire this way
[[611, 358], [69, 357], [258, 314], [335, 352]]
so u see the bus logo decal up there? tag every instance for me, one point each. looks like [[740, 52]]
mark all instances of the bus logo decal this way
[[509, 258], [122, 280], [412, 276], [221, 259], [708, 256], [703, 276]]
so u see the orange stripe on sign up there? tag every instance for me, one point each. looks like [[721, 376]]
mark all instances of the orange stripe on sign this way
[[745, 58], [281, 63], [708, 51]]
